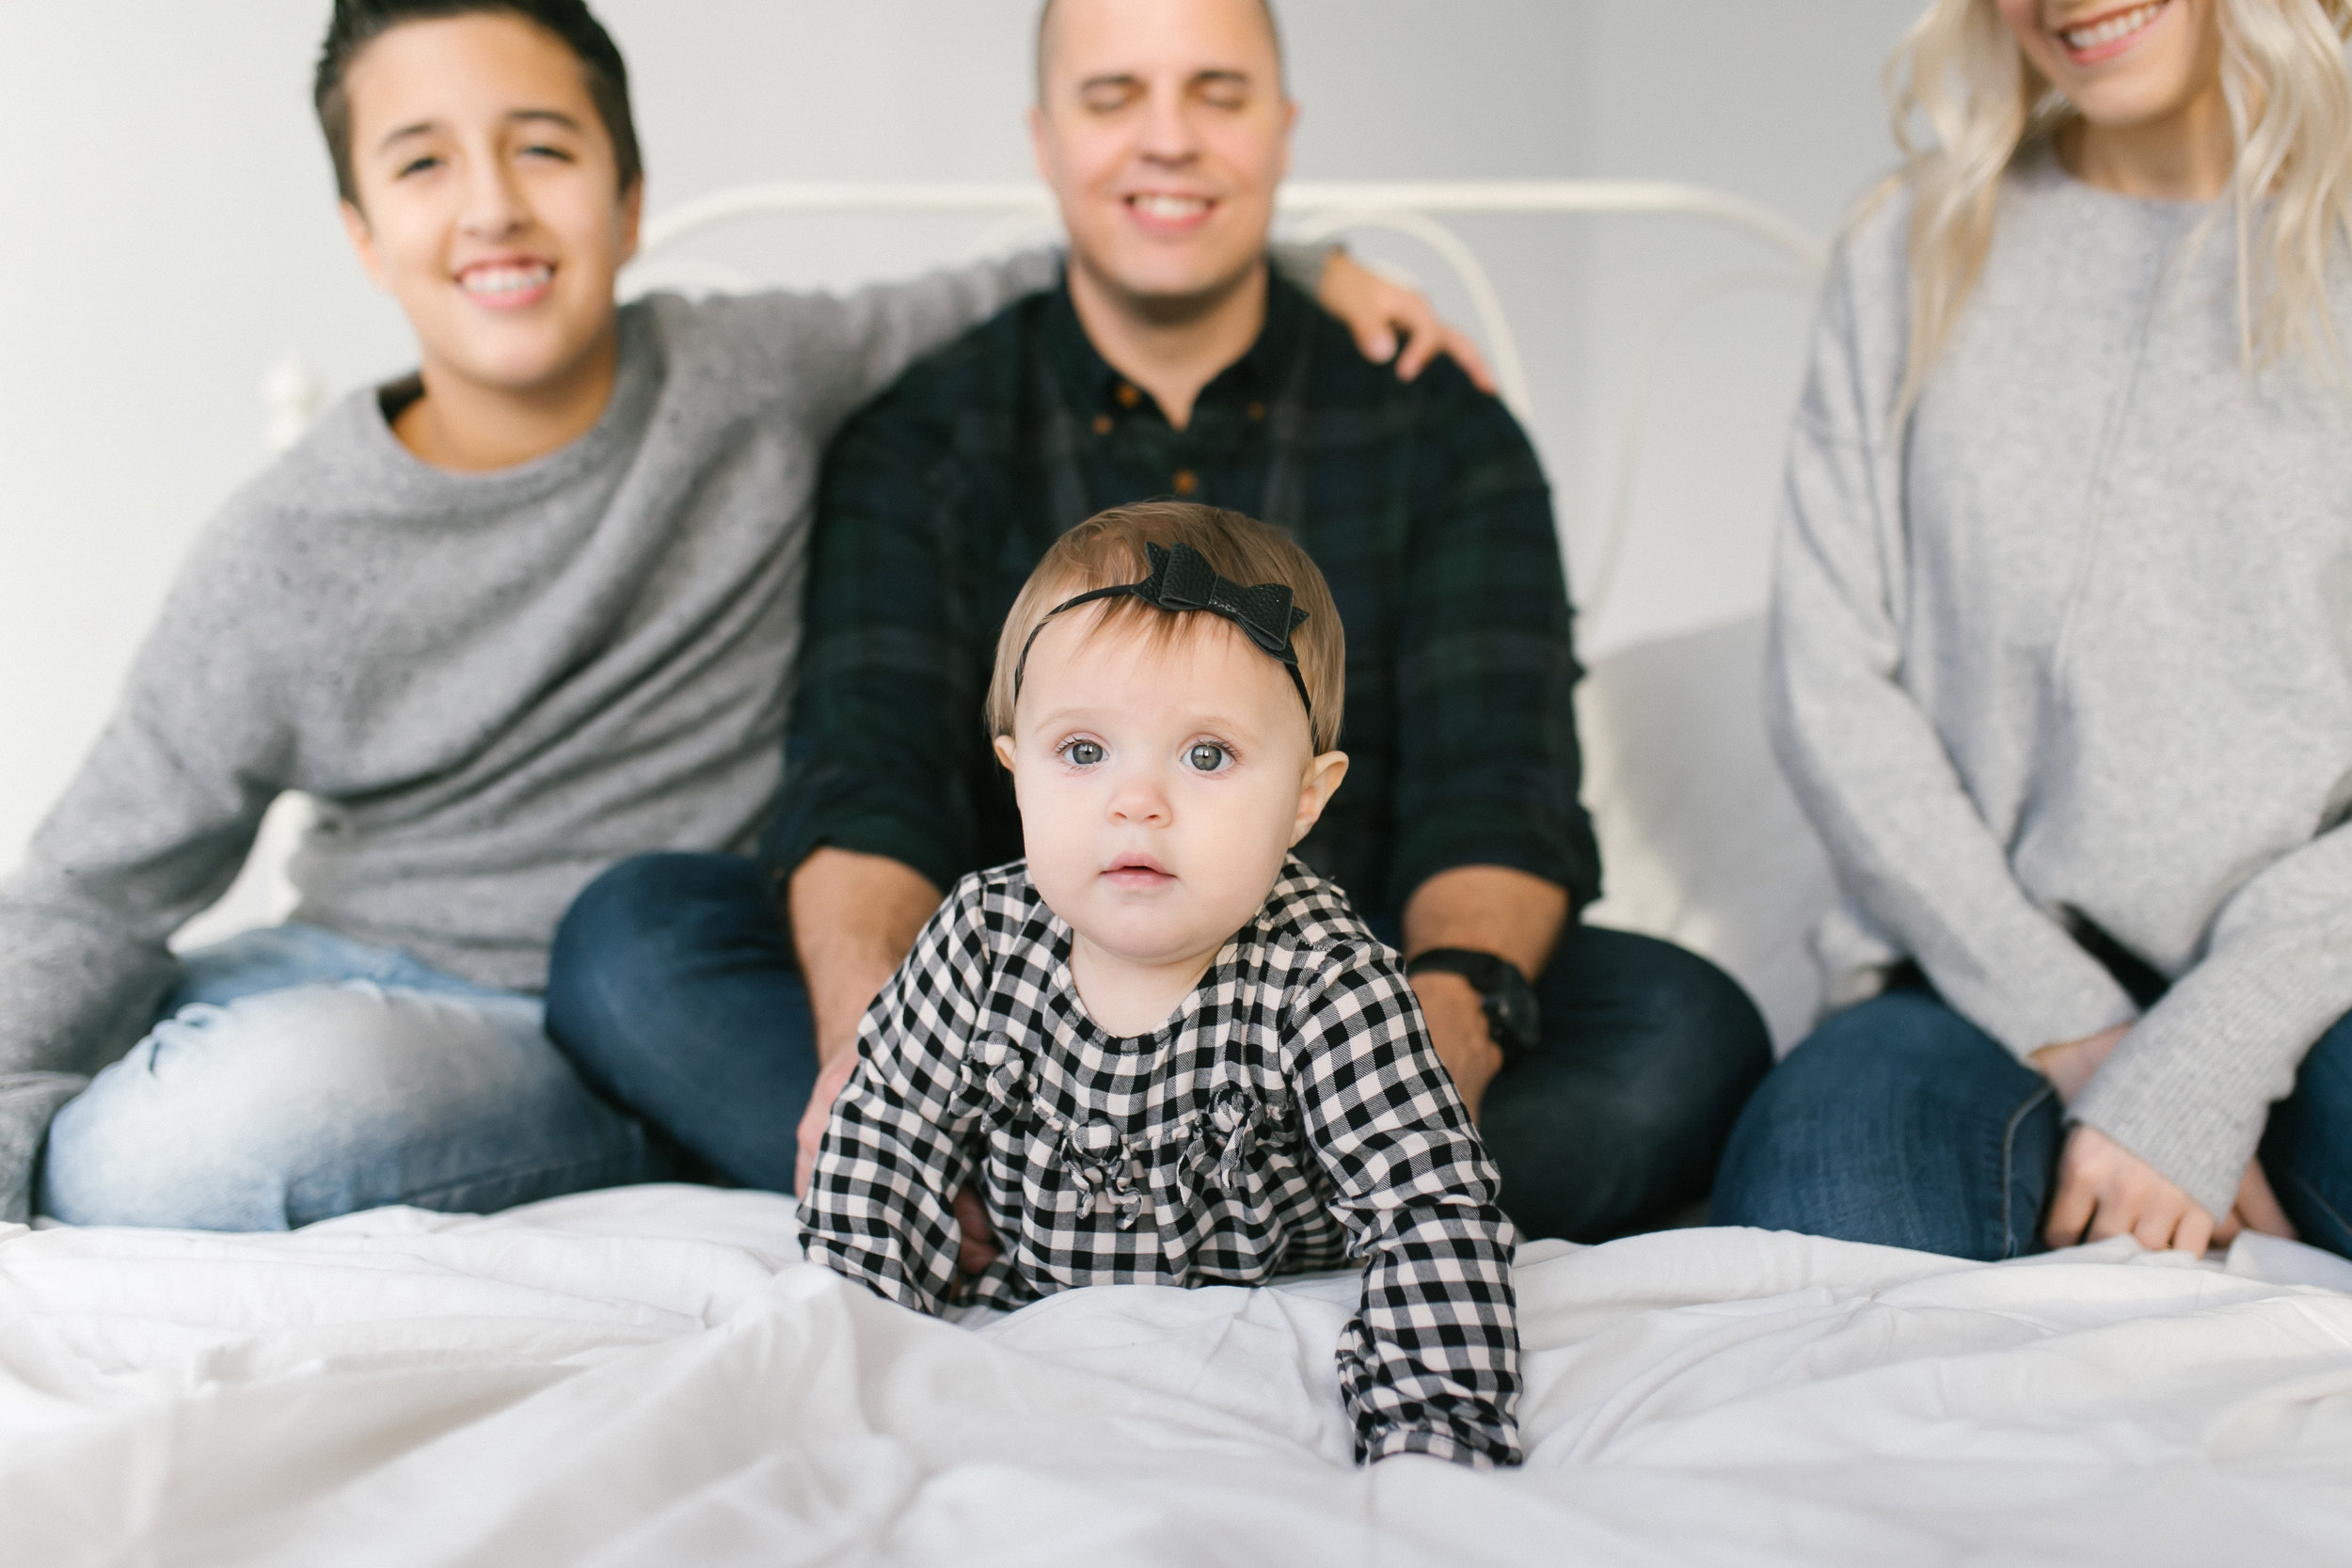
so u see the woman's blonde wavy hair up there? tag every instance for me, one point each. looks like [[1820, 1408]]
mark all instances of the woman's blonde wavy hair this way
[[1961, 70]]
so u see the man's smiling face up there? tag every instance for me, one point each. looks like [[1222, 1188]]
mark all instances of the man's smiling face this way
[[1163, 129], [489, 202]]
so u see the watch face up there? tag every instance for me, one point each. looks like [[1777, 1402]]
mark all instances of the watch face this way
[[1515, 1010]]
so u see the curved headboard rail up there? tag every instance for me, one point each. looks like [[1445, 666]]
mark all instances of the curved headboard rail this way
[[1657, 197], [1314, 208]]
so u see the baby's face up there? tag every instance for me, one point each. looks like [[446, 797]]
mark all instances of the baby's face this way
[[1161, 781]]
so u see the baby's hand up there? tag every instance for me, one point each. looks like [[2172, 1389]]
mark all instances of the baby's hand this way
[[977, 1248]]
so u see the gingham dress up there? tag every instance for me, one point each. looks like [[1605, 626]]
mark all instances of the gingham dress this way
[[1292, 1114]]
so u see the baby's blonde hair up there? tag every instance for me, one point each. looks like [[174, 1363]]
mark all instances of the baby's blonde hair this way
[[1108, 549]]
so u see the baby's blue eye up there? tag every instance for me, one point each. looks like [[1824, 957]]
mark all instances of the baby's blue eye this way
[[1205, 758], [1085, 753]]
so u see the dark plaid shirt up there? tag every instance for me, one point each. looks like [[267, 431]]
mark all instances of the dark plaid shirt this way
[[1291, 1115], [1422, 503]]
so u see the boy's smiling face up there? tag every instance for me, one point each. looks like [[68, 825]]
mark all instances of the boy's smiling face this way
[[1163, 772], [490, 200]]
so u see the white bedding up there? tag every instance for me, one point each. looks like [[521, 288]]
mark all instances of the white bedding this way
[[649, 1375]]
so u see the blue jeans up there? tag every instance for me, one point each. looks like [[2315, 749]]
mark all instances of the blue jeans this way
[[295, 1075], [672, 986], [1900, 1122]]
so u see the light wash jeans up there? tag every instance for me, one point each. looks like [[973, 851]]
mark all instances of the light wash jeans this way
[[296, 1075]]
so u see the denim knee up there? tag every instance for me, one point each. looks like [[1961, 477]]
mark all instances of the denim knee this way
[[1897, 1122], [2307, 1147], [294, 1105]]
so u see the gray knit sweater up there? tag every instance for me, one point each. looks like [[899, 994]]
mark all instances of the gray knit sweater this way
[[2079, 638], [494, 685]]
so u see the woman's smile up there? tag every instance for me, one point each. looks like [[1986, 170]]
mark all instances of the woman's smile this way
[[2110, 33]]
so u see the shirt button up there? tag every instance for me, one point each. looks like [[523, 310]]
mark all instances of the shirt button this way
[[1257, 410], [1128, 397], [1102, 424], [1187, 482]]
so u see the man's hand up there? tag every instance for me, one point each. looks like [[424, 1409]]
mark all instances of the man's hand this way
[[2105, 1190], [1458, 1027], [1377, 312], [2070, 1065]]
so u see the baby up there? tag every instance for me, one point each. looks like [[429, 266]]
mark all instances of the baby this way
[[1162, 1048]]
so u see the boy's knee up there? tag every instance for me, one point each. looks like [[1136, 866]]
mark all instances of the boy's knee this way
[[212, 1120]]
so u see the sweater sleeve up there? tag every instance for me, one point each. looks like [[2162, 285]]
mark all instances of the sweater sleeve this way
[[879, 1205], [1429, 1364], [2190, 1087], [844, 350], [1910, 846], [150, 830]]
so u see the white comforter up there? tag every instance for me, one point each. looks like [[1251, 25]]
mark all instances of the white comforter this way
[[649, 1376]]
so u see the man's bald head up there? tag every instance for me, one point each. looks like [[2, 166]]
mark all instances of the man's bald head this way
[[1045, 41]]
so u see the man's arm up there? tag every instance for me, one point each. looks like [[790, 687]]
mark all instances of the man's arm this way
[[854, 919], [1493, 850], [1488, 909]]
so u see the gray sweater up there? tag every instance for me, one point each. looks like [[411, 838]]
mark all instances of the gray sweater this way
[[494, 685], [2078, 638]]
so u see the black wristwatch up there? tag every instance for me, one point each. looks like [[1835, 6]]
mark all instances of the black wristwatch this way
[[1512, 1016]]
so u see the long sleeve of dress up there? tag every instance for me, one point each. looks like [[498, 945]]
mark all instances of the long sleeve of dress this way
[[1911, 848], [879, 1205], [1430, 1362]]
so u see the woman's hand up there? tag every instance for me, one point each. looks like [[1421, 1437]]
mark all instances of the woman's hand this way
[[1377, 312], [2070, 1065], [2257, 1209], [2105, 1190]]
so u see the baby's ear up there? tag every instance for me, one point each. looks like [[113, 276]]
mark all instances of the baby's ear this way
[[1004, 750], [1315, 793]]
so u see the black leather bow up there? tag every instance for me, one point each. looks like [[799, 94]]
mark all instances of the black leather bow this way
[[1182, 579]]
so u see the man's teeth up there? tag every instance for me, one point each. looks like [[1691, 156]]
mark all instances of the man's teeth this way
[[1170, 206], [2120, 25], [505, 281]]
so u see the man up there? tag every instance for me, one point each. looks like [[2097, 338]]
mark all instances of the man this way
[[1172, 359], [510, 620]]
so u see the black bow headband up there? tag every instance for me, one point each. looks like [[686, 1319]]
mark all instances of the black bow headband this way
[[1182, 579]]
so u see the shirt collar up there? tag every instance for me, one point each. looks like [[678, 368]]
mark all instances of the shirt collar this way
[[1289, 315]]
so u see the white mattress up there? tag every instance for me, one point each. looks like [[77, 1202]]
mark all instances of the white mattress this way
[[650, 1376]]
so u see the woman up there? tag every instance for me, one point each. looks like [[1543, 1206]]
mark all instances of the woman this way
[[2062, 647]]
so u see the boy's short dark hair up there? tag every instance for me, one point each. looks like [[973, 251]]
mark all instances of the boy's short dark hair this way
[[358, 23]]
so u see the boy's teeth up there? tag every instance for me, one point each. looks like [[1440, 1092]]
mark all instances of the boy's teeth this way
[[505, 281], [1172, 206], [2112, 29]]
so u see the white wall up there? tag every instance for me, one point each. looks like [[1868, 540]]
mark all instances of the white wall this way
[[169, 233]]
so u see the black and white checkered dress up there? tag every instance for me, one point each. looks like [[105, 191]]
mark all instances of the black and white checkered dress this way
[[1291, 1115]]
